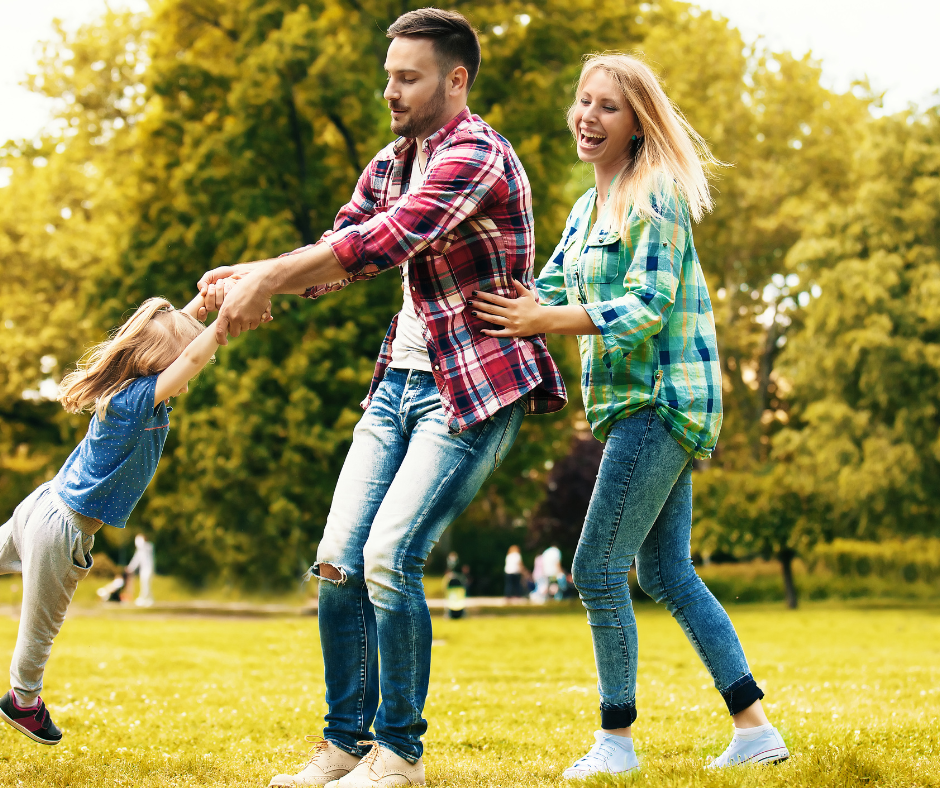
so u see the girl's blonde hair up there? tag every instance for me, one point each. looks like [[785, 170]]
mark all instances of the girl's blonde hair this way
[[152, 339], [670, 156]]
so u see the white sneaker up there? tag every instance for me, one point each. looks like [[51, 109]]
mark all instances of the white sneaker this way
[[381, 766], [327, 764], [766, 748], [609, 755]]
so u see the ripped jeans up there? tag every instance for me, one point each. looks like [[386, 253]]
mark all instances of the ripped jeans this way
[[641, 508], [404, 481]]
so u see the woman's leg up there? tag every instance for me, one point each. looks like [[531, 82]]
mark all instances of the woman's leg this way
[[640, 465], [666, 573]]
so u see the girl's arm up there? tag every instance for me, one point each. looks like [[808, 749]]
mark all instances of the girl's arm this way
[[194, 307], [524, 316], [173, 379]]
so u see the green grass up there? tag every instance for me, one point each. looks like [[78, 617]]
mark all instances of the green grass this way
[[855, 691]]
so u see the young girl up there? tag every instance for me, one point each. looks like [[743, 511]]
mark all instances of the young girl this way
[[128, 381], [626, 279]]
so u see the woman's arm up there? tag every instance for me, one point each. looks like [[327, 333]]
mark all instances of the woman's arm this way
[[524, 316], [173, 379]]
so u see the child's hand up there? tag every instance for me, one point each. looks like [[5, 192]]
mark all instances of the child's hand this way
[[214, 294]]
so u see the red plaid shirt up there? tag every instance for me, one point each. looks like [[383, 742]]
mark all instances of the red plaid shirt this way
[[469, 227]]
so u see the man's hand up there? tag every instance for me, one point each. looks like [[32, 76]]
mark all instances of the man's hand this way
[[213, 276], [513, 317], [213, 295], [245, 305]]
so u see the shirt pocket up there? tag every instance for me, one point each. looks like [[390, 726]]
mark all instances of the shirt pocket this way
[[600, 262]]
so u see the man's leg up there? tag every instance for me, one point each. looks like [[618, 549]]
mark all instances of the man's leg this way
[[438, 478], [346, 617]]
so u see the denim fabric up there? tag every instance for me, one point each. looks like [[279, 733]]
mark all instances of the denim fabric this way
[[642, 508], [405, 479]]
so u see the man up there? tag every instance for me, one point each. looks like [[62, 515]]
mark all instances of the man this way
[[449, 204]]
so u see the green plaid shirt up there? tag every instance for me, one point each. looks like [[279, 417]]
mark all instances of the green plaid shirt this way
[[646, 294]]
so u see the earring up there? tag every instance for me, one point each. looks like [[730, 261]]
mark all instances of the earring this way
[[634, 138]]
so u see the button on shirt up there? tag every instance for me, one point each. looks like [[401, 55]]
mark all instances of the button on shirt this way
[[109, 470], [468, 227], [646, 293]]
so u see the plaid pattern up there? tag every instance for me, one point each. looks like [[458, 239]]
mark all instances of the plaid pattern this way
[[647, 295], [469, 227]]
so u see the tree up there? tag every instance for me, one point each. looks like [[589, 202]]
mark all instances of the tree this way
[[865, 367]]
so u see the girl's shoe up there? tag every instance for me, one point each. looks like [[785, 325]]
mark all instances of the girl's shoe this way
[[766, 748], [35, 723], [609, 755]]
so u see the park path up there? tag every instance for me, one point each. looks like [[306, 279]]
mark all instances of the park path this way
[[202, 607]]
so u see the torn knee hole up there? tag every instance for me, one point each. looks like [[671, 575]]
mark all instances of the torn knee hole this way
[[330, 573]]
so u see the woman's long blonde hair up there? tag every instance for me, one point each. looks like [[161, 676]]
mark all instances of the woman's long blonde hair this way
[[670, 156], [152, 339]]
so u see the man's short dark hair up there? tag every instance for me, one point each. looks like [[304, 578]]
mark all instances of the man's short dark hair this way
[[455, 40]]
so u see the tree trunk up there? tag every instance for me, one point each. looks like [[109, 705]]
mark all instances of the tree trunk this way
[[786, 556]]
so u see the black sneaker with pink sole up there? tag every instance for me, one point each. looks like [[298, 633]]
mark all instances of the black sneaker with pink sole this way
[[35, 722]]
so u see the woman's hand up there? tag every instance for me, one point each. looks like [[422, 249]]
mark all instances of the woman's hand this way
[[512, 317]]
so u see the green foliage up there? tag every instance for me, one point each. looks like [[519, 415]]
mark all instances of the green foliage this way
[[901, 561], [211, 132], [866, 368]]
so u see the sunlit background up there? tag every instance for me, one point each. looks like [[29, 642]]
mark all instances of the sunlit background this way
[[893, 44]]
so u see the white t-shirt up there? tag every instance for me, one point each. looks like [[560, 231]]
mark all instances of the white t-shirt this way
[[513, 565], [409, 350], [551, 562]]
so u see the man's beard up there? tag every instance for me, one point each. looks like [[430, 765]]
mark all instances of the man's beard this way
[[424, 121]]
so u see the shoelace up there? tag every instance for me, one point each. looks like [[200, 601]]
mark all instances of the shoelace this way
[[725, 757], [596, 756], [370, 757], [319, 745]]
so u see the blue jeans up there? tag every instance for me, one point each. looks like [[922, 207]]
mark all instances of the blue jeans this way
[[404, 481], [641, 508]]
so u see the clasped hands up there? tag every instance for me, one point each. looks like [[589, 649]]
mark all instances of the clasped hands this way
[[236, 292]]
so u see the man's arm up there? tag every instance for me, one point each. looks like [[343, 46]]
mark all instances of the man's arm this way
[[246, 304]]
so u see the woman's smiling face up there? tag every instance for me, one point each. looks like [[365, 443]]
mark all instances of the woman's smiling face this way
[[604, 123]]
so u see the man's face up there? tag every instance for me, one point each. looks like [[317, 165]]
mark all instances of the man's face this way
[[416, 91]]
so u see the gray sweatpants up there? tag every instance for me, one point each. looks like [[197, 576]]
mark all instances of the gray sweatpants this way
[[43, 540]]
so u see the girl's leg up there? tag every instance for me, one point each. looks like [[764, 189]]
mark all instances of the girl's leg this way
[[640, 465], [55, 555], [665, 572]]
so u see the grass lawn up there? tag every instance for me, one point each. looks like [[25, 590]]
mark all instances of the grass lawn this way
[[183, 701]]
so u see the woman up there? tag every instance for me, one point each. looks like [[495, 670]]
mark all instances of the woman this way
[[626, 279]]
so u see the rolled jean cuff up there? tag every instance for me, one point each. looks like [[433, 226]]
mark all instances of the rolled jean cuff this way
[[741, 694], [613, 717]]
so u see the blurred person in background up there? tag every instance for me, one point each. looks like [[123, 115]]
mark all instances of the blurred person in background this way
[[514, 573], [554, 578], [626, 280], [142, 562]]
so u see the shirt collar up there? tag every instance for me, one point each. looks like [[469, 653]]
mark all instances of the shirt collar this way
[[402, 144]]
